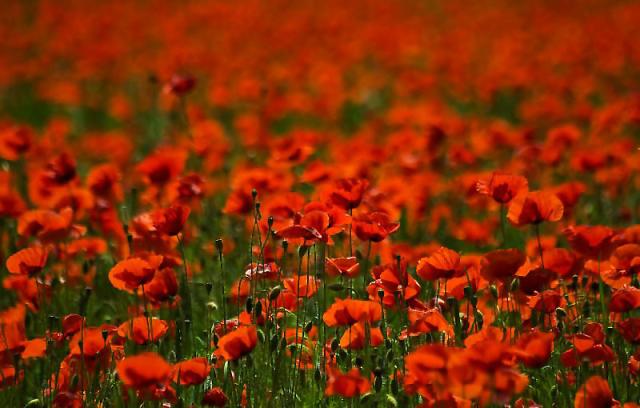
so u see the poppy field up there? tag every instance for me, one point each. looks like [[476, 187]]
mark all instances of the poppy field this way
[[320, 204]]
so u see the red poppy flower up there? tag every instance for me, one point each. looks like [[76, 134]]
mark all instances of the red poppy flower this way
[[350, 311], [589, 345], [7, 376], [299, 232], [61, 169], [374, 226], [442, 264], [624, 263], [624, 300], [15, 141], [302, 286], [215, 397], [535, 207], [546, 301], [28, 289], [131, 273], [143, 330], [395, 281], [354, 337], [28, 261], [349, 266], [427, 364], [502, 187], [104, 182], [348, 385], [561, 261], [180, 85], [267, 271], [90, 343], [348, 193], [428, 321], [237, 343], [191, 372], [170, 221], [533, 349], [163, 165], [12, 326], [48, 226], [592, 242], [163, 286], [501, 264], [35, 348], [143, 370], [630, 329], [595, 393], [71, 324]]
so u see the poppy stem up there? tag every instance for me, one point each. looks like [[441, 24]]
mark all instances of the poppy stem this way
[[350, 232], [503, 224], [146, 315], [365, 271], [540, 250], [184, 285], [223, 299]]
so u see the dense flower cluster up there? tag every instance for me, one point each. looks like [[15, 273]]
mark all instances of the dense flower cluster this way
[[278, 203]]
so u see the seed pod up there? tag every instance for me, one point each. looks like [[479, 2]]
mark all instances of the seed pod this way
[[452, 302], [574, 282], [248, 306], [219, 245], [292, 349], [389, 355], [308, 327], [377, 383], [474, 300], [515, 285], [274, 293], [479, 319], [366, 399], [394, 386], [273, 342], [258, 213], [342, 355], [336, 287], [560, 313], [334, 345], [494, 291]]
